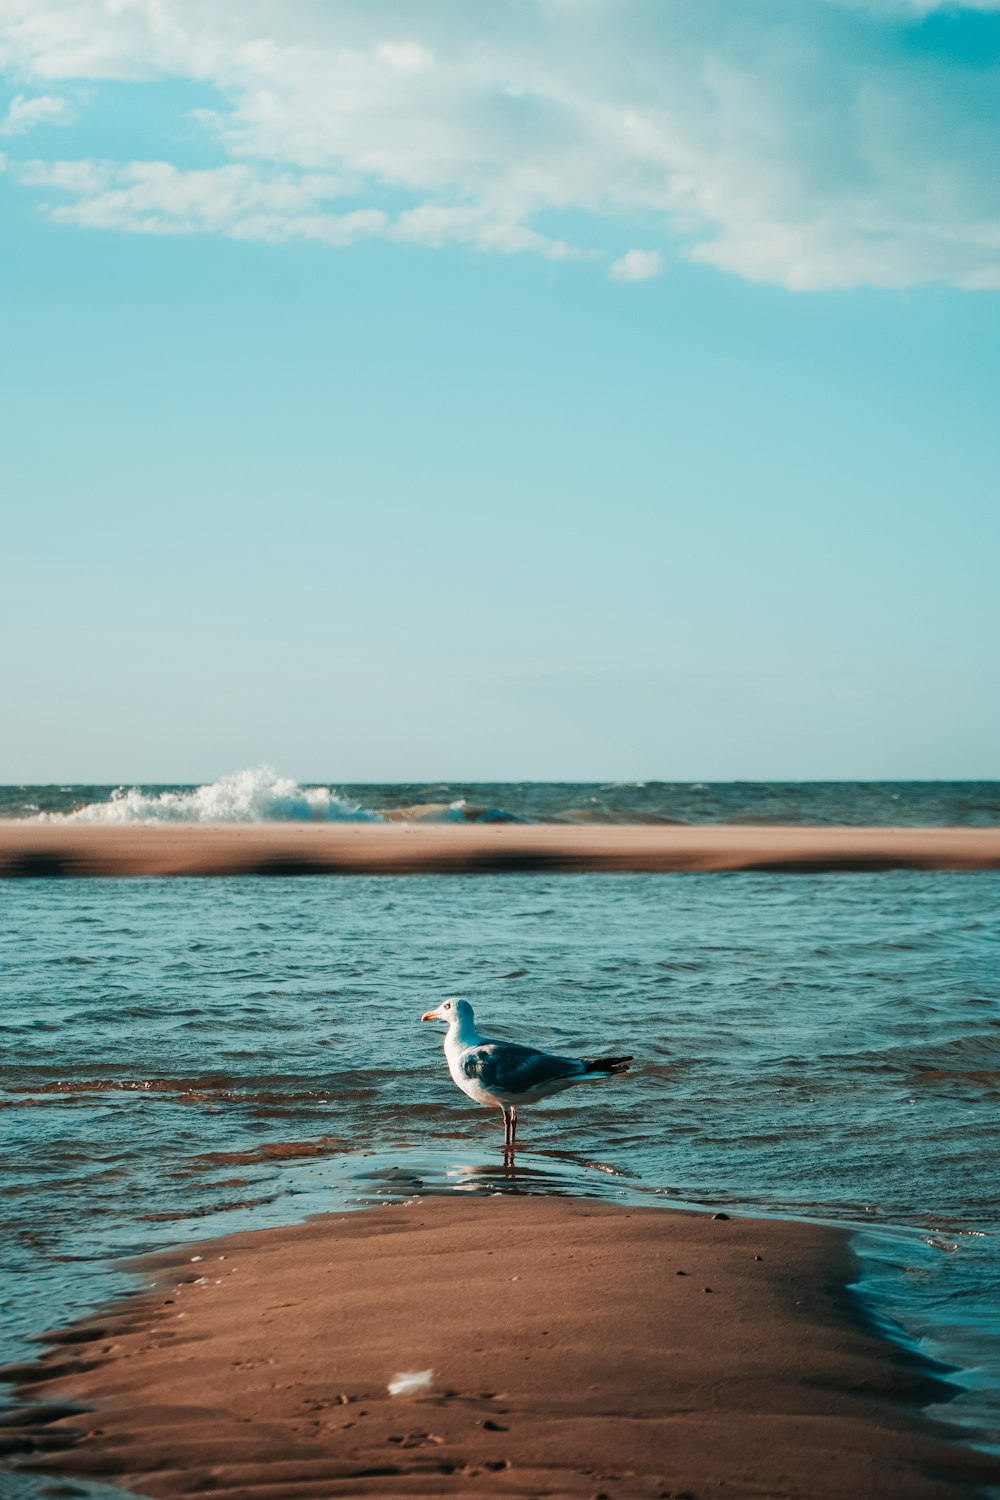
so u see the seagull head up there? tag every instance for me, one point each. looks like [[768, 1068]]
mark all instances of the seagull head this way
[[452, 1010]]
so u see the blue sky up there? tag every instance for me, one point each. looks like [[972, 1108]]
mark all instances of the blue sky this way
[[563, 389]]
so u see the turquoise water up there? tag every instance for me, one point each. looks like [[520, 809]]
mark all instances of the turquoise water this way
[[185, 1057]]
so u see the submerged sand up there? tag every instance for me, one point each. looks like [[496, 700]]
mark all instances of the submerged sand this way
[[575, 1349], [34, 848]]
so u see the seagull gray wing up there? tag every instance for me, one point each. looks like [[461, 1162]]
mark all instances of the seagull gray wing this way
[[516, 1069]]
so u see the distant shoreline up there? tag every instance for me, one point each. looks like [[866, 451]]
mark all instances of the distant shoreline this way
[[556, 1346], [30, 848]]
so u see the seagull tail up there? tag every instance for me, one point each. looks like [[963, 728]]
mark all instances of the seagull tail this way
[[606, 1064]]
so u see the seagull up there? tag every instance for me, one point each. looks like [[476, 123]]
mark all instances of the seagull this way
[[505, 1074]]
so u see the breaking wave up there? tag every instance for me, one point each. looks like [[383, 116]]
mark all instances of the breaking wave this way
[[258, 796]]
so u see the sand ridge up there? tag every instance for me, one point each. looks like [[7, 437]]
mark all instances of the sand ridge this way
[[29, 847], [577, 1348]]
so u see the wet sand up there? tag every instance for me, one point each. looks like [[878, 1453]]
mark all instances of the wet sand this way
[[30, 848], [576, 1349]]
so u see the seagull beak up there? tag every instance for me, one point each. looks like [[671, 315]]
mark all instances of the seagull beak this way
[[430, 1015]]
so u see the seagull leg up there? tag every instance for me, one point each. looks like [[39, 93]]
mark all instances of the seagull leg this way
[[506, 1125], [513, 1126]]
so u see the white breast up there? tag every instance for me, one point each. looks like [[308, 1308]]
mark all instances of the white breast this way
[[454, 1051]]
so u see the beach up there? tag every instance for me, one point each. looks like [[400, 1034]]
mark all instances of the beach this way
[[36, 848], [567, 1347]]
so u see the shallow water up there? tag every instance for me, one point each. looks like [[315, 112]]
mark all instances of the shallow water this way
[[187, 1057]]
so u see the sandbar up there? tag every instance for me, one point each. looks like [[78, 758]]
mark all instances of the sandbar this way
[[570, 1348], [31, 847]]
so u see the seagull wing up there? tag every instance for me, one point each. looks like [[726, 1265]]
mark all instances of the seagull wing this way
[[513, 1069]]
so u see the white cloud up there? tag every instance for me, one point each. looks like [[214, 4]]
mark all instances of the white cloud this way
[[85, 177], [246, 202], [433, 224], [636, 265], [154, 197], [23, 114], [408, 57], [809, 144]]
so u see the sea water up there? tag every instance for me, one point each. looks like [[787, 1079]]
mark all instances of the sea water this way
[[260, 794], [183, 1058]]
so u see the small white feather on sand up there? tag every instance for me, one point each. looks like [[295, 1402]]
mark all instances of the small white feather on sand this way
[[411, 1381]]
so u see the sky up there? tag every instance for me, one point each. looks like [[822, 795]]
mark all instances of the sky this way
[[499, 389]]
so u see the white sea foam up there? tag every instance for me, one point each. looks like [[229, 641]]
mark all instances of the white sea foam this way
[[258, 796]]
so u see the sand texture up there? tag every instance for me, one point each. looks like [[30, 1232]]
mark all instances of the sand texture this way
[[577, 1349], [30, 848]]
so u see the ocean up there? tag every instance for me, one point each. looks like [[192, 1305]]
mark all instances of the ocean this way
[[188, 1057], [261, 795]]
